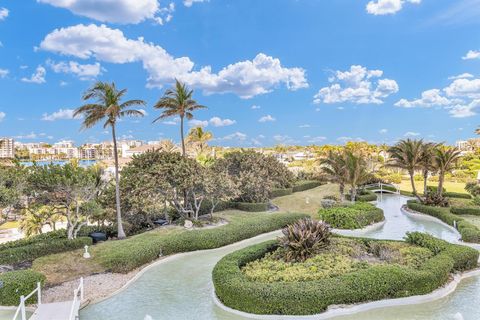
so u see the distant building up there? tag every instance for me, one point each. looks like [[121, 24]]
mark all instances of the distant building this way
[[7, 148], [470, 145], [129, 153]]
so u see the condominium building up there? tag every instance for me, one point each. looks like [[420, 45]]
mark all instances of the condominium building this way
[[469, 145], [7, 148]]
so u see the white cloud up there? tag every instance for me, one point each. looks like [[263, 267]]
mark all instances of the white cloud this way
[[235, 136], [116, 11], [357, 85], [218, 122], [145, 113], [245, 79], [37, 77], [464, 88], [430, 98], [62, 114], [472, 54], [411, 134], [255, 107], [465, 110], [304, 126], [2, 116], [31, 135], [318, 139], [3, 13], [284, 139], [4, 73], [383, 131], [267, 118], [172, 122], [383, 7], [189, 3], [83, 71], [461, 76], [197, 123], [348, 139]]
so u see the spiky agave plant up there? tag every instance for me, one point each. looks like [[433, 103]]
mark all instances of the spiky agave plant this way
[[304, 238]]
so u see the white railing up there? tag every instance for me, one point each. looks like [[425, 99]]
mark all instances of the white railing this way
[[77, 293], [22, 307], [381, 185]]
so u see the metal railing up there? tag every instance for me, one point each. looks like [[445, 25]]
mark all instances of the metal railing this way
[[21, 309], [381, 185], [77, 293]]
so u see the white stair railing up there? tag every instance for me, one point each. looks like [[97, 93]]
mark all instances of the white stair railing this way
[[77, 293], [21, 309]]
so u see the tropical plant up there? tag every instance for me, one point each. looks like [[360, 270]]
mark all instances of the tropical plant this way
[[334, 166], [304, 238], [178, 102], [473, 188], [356, 172], [426, 163], [445, 161], [406, 155], [198, 138], [109, 108]]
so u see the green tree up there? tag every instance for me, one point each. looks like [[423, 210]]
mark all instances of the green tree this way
[[445, 161], [426, 163], [199, 138], [356, 172], [108, 107], [334, 166], [178, 102]]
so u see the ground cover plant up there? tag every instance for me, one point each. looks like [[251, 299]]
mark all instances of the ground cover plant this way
[[351, 216]]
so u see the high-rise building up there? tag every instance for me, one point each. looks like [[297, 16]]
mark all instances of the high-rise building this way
[[7, 148]]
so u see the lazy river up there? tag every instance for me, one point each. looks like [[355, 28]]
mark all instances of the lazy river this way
[[181, 286]]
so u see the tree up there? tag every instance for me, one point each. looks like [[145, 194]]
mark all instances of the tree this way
[[33, 221], [356, 172], [109, 108], [219, 186], [426, 162], [198, 138], [335, 167], [178, 102], [445, 161], [406, 155]]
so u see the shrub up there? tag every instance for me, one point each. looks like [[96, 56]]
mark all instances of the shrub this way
[[473, 188], [280, 192], [363, 195], [457, 195], [129, 254], [251, 207], [306, 185], [18, 283], [434, 199], [37, 249], [356, 216], [378, 282], [304, 238], [474, 211], [59, 234], [328, 203], [434, 189]]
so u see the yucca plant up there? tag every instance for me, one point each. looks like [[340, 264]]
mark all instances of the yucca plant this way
[[303, 239]]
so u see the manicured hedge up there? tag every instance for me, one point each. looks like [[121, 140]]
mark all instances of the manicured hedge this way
[[363, 196], [126, 255], [356, 216], [457, 195], [18, 283], [59, 234], [468, 231], [475, 211], [310, 297], [30, 252], [306, 185], [251, 207], [281, 192]]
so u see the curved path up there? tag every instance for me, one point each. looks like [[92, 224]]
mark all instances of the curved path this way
[[181, 287]]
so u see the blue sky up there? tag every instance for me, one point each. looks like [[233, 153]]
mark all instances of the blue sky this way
[[270, 71]]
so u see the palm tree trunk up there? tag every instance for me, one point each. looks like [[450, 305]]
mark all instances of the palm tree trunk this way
[[120, 231], [425, 180], [181, 136], [342, 192], [441, 177], [414, 189]]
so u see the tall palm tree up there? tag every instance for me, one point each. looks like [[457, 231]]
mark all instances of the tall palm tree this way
[[445, 161], [426, 163], [406, 155], [199, 138], [109, 108], [334, 166], [178, 102], [356, 172]]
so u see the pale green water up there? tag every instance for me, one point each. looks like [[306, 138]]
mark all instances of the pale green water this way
[[182, 288]]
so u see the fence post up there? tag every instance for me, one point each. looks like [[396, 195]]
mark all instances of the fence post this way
[[39, 293], [22, 308]]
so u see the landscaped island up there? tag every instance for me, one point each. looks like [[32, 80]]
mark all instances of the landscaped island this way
[[351, 216], [309, 270]]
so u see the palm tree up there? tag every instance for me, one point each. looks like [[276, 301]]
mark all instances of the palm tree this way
[[406, 155], [178, 102], [108, 107], [445, 161], [356, 172], [426, 163], [199, 138], [334, 166]]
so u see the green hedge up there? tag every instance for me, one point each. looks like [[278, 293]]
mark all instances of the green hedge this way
[[474, 211], [306, 185], [59, 234], [126, 255], [18, 283], [468, 231], [457, 195], [363, 196], [356, 216], [311, 297], [251, 207], [30, 252], [280, 192]]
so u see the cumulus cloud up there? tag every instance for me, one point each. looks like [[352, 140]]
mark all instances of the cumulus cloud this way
[[430, 98], [384, 7], [238, 136], [464, 88], [2, 116], [245, 78], [82, 71], [4, 73], [37, 77], [465, 110], [461, 76], [3, 13], [62, 114], [411, 134], [284, 139], [197, 123], [472, 54], [115, 11], [189, 3], [317, 139], [218, 122], [267, 118], [357, 85]]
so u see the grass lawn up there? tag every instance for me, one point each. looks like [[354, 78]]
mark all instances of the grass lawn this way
[[449, 186], [296, 202], [9, 225], [475, 220]]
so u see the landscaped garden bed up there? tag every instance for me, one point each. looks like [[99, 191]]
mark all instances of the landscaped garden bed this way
[[268, 279], [351, 216]]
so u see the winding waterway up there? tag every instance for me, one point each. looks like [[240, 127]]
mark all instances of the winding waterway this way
[[181, 288]]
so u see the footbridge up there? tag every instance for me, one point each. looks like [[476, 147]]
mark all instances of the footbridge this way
[[382, 188]]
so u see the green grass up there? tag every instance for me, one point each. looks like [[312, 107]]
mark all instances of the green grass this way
[[10, 225], [449, 186]]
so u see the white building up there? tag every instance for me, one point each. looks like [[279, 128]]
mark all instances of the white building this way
[[7, 148]]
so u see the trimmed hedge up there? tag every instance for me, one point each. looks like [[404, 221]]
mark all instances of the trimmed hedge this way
[[474, 211], [356, 216], [31, 251], [468, 231], [251, 207], [129, 254], [59, 234], [281, 192], [363, 196], [457, 195], [18, 283], [311, 297], [306, 185]]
